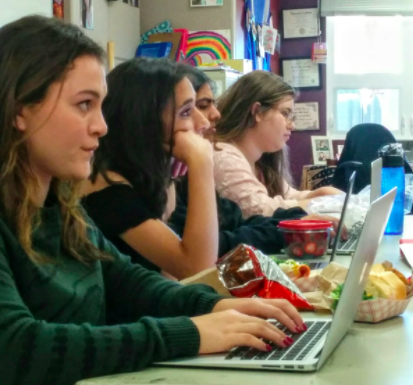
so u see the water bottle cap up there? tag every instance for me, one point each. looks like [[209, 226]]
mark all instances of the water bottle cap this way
[[392, 155]]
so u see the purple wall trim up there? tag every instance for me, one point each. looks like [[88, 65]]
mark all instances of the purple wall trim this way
[[300, 142]]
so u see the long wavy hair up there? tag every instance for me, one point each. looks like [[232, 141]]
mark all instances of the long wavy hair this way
[[237, 117], [36, 52], [139, 90]]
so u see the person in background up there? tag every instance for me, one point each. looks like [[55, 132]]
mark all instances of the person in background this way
[[71, 305], [258, 230], [251, 160], [155, 132]]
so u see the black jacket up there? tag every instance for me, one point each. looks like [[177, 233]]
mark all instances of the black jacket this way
[[258, 231], [362, 145]]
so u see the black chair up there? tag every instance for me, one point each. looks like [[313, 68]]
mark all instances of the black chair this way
[[360, 149]]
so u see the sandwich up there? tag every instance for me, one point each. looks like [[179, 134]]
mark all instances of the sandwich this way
[[292, 268], [384, 282]]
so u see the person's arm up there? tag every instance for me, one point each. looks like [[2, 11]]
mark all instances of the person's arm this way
[[220, 331], [126, 284], [40, 352], [327, 190], [235, 180], [291, 193], [259, 231], [198, 248]]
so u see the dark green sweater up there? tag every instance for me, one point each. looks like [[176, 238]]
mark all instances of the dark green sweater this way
[[55, 319]]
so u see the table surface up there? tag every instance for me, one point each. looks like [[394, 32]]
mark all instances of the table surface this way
[[380, 354]]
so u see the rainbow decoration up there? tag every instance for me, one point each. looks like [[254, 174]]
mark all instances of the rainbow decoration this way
[[207, 46]]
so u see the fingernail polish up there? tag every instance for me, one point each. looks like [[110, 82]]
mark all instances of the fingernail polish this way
[[298, 330], [290, 340], [286, 342], [304, 327], [269, 348]]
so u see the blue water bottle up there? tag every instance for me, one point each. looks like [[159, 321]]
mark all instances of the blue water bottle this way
[[393, 176]]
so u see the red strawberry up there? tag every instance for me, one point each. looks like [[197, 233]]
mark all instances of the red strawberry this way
[[297, 251], [320, 250], [310, 248]]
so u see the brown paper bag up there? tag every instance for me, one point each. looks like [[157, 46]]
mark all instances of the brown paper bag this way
[[208, 277]]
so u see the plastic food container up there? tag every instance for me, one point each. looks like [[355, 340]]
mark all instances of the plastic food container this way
[[305, 238]]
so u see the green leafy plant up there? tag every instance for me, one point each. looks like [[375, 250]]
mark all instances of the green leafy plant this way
[[336, 294]]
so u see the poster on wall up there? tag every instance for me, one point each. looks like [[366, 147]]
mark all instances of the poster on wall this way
[[87, 13], [206, 3], [269, 37], [208, 46], [306, 116]]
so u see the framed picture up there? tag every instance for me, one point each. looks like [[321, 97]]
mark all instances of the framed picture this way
[[301, 73], [206, 3], [338, 145], [321, 149], [300, 23], [306, 116]]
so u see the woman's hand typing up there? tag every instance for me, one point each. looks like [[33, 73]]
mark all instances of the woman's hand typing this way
[[241, 322]]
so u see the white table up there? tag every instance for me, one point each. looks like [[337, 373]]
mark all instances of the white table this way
[[380, 354]]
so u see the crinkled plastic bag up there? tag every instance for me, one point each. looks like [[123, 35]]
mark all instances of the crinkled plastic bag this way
[[246, 272], [333, 205], [408, 193]]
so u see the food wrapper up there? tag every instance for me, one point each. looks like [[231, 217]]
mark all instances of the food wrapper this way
[[207, 277], [369, 311], [246, 272], [308, 284]]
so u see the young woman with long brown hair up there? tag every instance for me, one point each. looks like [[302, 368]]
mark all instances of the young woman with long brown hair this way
[[251, 165]]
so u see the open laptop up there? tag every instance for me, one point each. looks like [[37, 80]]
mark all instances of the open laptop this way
[[322, 262], [311, 349], [348, 246]]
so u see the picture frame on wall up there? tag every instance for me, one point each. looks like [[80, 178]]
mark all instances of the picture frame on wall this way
[[301, 23], [206, 3], [301, 73], [306, 116], [322, 149], [338, 145]]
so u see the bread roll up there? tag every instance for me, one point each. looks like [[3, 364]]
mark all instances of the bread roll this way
[[388, 266], [386, 285]]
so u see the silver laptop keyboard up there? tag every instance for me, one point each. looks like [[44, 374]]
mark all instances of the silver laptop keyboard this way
[[353, 236], [303, 343]]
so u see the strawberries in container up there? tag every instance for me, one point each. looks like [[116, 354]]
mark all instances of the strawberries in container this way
[[305, 238]]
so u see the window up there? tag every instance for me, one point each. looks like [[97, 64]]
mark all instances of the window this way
[[354, 106], [370, 73]]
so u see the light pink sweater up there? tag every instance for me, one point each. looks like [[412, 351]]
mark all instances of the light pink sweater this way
[[235, 180]]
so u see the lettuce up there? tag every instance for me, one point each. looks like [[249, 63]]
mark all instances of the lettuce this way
[[335, 295]]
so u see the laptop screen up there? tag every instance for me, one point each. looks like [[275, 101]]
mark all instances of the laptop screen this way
[[343, 214]]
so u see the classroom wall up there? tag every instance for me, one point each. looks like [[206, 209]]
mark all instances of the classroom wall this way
[[300, 142], [15, 9], [182, 15], [113, 20]]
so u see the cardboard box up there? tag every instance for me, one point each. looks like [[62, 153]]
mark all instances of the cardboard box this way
[[242, 65]]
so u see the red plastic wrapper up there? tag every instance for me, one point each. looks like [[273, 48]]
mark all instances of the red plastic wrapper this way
[[246, 272]]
